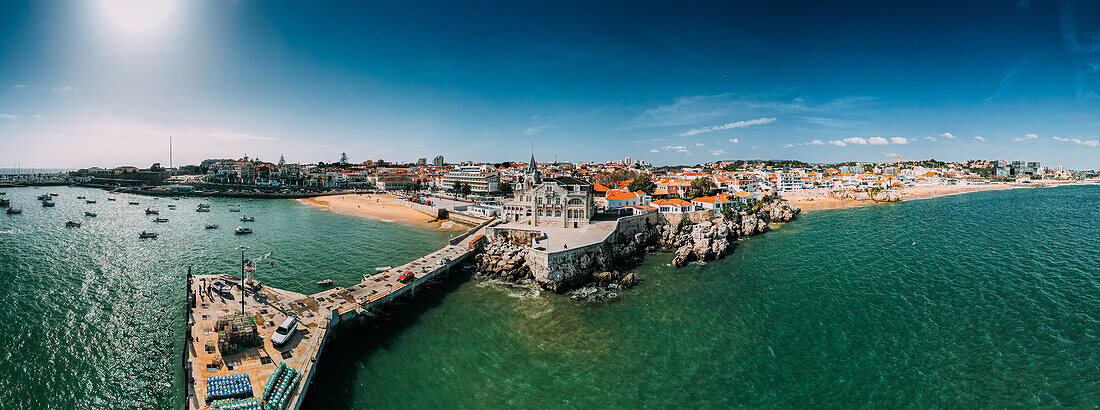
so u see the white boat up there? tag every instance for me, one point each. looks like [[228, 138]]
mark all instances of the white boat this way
[[86, 213], [72, 224], [212, 226], [383, 268], [248, 219], [325, 282], [145, 234], [160, 219], [241, 230]]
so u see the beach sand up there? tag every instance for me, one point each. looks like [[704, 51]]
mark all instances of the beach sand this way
[[817, 199], [382, 207]]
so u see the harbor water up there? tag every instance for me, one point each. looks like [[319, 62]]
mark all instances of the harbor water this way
[[988, 299]]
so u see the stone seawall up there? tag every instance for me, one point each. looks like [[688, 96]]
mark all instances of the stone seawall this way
[[699, 235]]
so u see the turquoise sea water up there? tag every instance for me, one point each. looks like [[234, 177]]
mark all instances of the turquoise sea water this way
[[996, 305]]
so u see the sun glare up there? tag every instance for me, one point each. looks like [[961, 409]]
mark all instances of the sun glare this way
[[137, 15]]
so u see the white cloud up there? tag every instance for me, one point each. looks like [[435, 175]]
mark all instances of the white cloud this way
[[979, 139], [738, 124], [815, 142], [717, 152], [698, 144], [65, 90], [533, 130], [1026, 137], [930, 138], [19, 86], [855, 141], [877, 141], [654, 151], [735, 140], [947, 135], [899, 140], [788, 146], [1087, 143], [677, 148], [12, 117], [838, 143]]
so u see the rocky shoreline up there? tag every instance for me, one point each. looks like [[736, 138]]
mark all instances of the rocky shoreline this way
[[510, 259]]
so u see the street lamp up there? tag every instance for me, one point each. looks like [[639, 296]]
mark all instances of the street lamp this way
[[242, 249]]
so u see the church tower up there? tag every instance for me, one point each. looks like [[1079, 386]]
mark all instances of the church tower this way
[[533, 176]]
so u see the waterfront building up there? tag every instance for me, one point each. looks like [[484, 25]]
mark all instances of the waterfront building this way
[[674, 206], [438, 161], [615, 199], [565, 202], [481, 179], [716, 203]]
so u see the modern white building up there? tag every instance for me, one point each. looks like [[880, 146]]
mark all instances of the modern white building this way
[[481, 179]]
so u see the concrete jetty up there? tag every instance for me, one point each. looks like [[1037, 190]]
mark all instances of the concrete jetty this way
[[318, 314]]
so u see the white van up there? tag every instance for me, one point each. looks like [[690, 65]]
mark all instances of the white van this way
[[285, 331]]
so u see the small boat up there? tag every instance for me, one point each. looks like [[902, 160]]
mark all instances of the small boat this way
[[160, 219], [145, 234], [4, 202], [53, 194], [133, 203], [89, 201], [211, 226], [171, 206], [383, 268], [248, 219], [80, 197], [149, 211], [325, 282], [202, 209], [92, 214], [15, 211], [204, 205], [72, 224], [44, 197], [110, 199], [49, 204], [241, 230]]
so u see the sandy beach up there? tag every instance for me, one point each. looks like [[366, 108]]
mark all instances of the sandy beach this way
[[380, 207], [817, 199]]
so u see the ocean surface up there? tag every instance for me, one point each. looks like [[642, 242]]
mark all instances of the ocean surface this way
[[989, 299]]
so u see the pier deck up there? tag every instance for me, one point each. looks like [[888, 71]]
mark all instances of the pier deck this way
[[317, 314]]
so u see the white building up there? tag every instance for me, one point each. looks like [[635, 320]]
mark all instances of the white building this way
[[481, 179]]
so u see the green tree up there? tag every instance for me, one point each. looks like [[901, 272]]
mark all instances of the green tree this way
[[505, 188], [466, 190], [343, 158], [702, 186], [642, 183]]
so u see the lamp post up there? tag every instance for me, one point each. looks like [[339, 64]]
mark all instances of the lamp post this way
[[242, 249]]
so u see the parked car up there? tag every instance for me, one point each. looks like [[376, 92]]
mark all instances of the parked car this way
[[406, 276], [285, 331]]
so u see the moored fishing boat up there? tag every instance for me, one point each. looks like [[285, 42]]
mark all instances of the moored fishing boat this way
[[86, 213], [160, 219], [145, 234], [248, 219], [241, 230], [211, 226], [72, 224], [150, 211], [383, 268], [89, 201], [14, 211], [48, 204], [325, 282]]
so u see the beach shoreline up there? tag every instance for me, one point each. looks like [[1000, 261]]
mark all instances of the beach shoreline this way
[[379, 207], [818, 199]]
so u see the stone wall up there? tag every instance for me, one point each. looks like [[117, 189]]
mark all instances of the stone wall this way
[[562, 270], [693, 216]]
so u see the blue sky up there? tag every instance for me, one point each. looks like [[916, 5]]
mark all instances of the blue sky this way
[[107, 82]]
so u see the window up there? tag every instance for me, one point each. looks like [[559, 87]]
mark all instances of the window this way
[[576, 201], [557, 213]]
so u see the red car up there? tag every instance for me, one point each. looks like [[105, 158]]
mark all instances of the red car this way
[[406, 277]]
